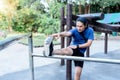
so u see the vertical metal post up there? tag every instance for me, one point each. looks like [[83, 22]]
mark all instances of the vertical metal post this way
[[69, 26], [62, 29], [30, 43], [88, 52], [106, 43]]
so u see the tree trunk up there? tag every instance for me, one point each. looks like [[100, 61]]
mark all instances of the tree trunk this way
[[80, 8], [86, 8], [9, 23], [89, 6]]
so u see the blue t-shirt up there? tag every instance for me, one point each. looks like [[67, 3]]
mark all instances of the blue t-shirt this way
[[78, 39]]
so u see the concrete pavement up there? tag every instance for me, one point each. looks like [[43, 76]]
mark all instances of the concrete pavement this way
[[15, 63]]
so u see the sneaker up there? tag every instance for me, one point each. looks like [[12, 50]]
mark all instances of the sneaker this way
[[51, 49], [48, 46]]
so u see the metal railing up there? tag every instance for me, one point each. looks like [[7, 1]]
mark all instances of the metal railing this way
[[31, 60], [111, 61], [7, 41], [31, 55]]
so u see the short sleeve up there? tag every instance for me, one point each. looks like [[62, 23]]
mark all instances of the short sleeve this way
[[91, 34]]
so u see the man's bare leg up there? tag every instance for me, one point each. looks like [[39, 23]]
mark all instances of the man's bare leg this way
[[78, 71], [63, 51]]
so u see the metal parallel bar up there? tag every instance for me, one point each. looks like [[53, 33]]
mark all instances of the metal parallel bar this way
[[31, 62], [106, 43], [24, 36], [7, 41], [111, 61], [88, 52]]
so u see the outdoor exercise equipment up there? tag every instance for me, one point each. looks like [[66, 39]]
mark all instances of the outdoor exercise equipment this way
[[69, 21], [32, 55]]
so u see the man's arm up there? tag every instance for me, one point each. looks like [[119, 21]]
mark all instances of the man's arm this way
[[62, 34], [87, 44]]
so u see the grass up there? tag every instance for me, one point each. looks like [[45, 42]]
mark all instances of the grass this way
[[1, 38], [38, 40]]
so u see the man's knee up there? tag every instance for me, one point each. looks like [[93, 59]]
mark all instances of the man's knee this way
[[68, 51]]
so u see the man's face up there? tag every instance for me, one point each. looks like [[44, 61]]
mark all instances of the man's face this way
[[80, 26]]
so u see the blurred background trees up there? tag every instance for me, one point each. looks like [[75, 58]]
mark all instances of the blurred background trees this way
[[43, 16]]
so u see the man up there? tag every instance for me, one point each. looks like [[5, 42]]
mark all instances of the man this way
[[82, 37]]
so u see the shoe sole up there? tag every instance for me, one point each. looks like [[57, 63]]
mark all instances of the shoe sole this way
[[47, 43]]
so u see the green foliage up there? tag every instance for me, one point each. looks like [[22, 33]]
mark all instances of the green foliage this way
[[50, 22], [35, 18], [54, 9], [49, 25], [106, 6], [39, 7], [32, 15], [3, 22], [28, 17], [25, 20]]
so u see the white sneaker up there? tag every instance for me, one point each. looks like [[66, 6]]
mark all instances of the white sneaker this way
[[48, 46]]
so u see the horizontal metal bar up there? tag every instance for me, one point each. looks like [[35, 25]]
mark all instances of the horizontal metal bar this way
[[7, 41], [101, 60]]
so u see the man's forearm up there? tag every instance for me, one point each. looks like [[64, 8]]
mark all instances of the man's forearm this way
[[64, 34], [87, 44]]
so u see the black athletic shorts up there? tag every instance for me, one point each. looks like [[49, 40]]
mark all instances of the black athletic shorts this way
[[76, 52]]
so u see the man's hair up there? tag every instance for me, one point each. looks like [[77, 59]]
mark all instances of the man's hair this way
[[83, 20]]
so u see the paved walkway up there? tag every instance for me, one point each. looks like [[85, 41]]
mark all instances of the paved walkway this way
[[14, 63]]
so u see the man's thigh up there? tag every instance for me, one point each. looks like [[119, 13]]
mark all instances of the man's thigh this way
[[67, 51]]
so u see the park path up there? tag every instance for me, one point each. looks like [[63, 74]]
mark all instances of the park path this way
[[15, 57]]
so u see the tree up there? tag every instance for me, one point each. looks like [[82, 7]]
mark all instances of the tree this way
[[50, 22], [9, 11], [28, 18], [105, 5]]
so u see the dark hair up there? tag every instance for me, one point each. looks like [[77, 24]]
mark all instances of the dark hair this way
[[83, 20]]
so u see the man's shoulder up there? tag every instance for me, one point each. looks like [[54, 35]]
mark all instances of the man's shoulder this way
[[90, 28]]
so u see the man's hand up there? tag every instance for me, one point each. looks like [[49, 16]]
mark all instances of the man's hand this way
[[56, 36], [73, 46]]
